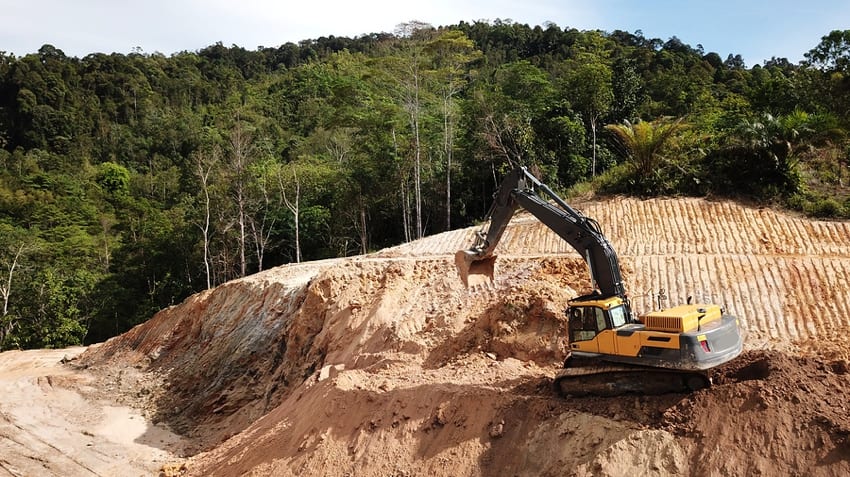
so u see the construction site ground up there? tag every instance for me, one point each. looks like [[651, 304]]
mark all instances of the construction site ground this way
[[388, 365]]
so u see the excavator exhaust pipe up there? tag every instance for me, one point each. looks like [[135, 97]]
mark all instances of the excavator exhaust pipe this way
[[475, 271]]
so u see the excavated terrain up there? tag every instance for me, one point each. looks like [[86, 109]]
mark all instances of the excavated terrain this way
[[387, 364]]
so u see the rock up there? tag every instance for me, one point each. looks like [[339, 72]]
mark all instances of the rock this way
[[173, 470], [497, 429]]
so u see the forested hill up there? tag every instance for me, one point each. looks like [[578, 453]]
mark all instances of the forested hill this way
[[128, 182]]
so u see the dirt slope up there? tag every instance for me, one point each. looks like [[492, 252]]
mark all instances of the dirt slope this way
[[387, 365]]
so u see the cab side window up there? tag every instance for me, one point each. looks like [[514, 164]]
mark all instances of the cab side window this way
[[600, 319], [618, 316], [586, 322]]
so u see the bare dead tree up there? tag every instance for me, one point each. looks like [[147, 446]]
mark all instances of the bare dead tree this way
[[11, 262], [205, 162], [241, 154], [294, 206], [6, 286], [261, 221]]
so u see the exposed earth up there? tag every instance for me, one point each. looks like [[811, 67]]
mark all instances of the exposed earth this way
[[388, 365]]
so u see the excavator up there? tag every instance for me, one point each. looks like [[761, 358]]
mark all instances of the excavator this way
[[611, 352]]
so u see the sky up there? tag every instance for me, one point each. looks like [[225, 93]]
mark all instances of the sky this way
[[755, 29]]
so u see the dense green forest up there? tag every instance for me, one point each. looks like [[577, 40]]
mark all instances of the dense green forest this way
[[128, 182]]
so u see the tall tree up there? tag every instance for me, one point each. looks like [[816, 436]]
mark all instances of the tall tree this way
[[241, 154], [452, 52], [831, 82], [509, 110], [205, 163], [13, 251], [589, 89], [412, 79], [832, 53], [293, 203]]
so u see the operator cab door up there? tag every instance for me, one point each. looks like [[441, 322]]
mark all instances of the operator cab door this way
[[587, 330]]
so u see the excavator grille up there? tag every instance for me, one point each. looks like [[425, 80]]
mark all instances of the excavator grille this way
[[672, 324], [681, 318]]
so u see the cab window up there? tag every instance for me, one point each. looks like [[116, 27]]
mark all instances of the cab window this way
[[586, 322], [618, 316], [600, 319]]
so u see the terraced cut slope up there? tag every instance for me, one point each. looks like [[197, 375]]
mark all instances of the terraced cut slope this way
[[387, 364]]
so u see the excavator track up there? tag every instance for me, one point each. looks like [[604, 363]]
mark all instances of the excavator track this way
[[616, 379]]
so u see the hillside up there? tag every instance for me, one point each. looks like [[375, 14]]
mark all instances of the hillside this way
[[385, 364], [130, 182]]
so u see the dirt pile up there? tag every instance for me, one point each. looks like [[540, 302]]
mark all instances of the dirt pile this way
[[771, 414], [388, 365]]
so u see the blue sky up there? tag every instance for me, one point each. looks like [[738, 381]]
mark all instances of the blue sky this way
[[755, 29]]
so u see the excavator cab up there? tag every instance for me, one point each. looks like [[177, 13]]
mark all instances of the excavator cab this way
[[592, 316], [589, 317], [586, 322]]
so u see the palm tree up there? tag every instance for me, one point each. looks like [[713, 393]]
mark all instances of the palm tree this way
[[644, 143], [781, 141]]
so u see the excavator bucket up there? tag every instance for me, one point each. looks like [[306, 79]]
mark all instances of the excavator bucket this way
[[474, 271]]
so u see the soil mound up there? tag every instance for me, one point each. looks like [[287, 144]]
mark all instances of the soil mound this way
[[770, 413]]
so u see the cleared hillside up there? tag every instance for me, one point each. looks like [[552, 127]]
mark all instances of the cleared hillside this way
[[387, 364]]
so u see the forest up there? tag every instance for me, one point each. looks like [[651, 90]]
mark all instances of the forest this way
[[131, 181]]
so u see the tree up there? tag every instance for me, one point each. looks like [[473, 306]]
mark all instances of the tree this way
[[306, 177], [588, 87], [114, 179], [832, 53], [205, 162], [626, 90], [829, 85], [261, 219], [412, 80], [509, 110], [294, 206], [643, 143], [240, 156], [14, 248], [452, 51]]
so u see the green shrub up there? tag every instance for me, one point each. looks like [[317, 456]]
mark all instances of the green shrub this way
[[825, 208]]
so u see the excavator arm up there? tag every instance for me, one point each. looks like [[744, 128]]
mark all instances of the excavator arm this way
[[521, 189]]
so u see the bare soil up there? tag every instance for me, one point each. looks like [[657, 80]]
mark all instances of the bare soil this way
[[387, 364], [56, 420]]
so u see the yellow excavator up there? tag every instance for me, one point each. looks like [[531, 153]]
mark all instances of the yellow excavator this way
[[611, 351]]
